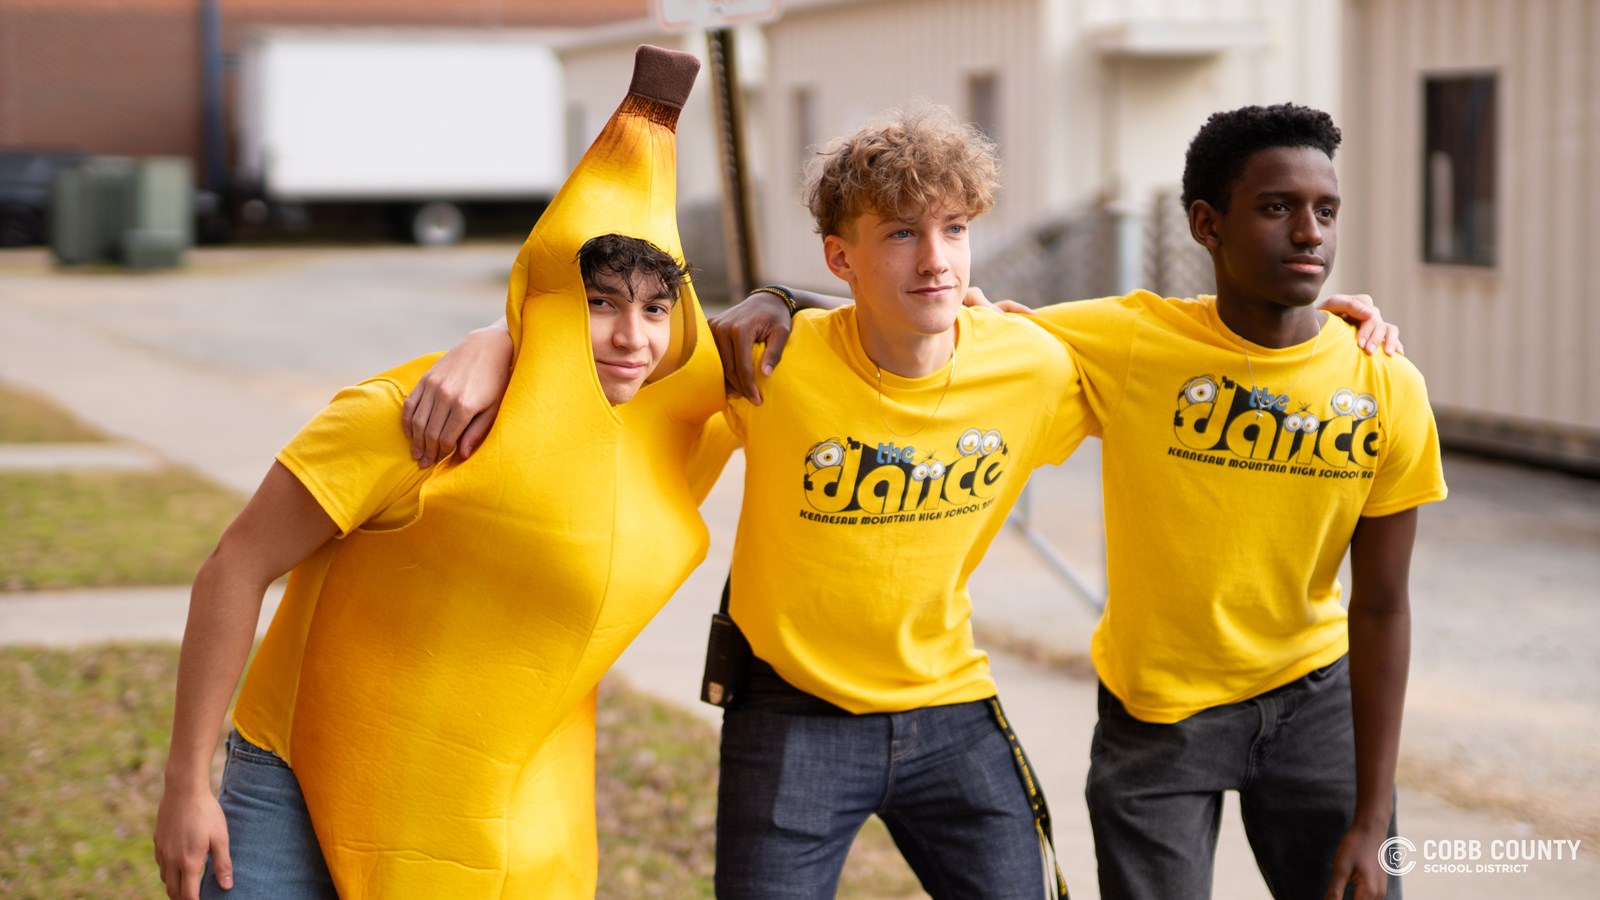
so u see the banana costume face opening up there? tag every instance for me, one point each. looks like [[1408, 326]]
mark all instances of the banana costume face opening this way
[[432, 684], [631, 286]]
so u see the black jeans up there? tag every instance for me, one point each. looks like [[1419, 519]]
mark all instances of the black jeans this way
[[1155, 791]]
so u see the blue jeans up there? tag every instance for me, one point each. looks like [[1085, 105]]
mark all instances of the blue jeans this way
[[274, 850], [800, 777], [1155, 791]]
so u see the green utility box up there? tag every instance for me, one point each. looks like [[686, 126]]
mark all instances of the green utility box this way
[[163, 214], [136, 212], [91, 209]]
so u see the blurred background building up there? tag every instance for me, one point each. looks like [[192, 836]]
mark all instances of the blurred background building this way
[[1472, 141]]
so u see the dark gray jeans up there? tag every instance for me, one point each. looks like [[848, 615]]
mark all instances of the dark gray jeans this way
[[1155, 791], [800, 776]]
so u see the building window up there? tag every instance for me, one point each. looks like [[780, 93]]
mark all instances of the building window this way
[[983, 103], [1459, 170]]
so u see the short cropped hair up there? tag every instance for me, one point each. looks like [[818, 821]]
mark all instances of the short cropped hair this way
[[620, 255], [903, 165], [1219, 152]]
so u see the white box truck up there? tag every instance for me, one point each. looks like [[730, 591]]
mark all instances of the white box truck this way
[[423, 121]]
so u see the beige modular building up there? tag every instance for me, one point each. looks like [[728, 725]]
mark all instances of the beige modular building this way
[[1473, 136], [1091, 102]]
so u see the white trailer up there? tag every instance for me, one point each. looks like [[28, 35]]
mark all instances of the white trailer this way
[[423, 120]]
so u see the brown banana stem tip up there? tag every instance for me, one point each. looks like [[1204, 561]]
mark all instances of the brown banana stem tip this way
[[664, 76]]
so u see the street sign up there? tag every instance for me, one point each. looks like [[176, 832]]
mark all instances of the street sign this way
[[682, 15]]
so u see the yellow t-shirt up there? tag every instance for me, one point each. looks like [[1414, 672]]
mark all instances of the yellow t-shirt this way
[[864, 513], [1229, 505]]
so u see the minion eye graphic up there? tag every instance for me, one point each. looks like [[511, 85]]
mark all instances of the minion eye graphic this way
[[920, 473], [1344, 401], [827, 453], [1200, 390], [971, 439], [935, 469], [1366, 406], [1293, 422], [991, 441], [1309, 423]]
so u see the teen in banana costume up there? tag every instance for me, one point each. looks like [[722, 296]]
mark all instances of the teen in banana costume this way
[[429, 680]]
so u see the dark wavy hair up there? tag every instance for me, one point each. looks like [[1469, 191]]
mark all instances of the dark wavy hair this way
[[1220, 150], [621, 256]]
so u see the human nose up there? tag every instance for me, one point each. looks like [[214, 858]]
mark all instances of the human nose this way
[[1307, 231], [629, 333], [931, 257]]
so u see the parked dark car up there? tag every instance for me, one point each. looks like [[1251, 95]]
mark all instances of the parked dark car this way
[[25, 180]]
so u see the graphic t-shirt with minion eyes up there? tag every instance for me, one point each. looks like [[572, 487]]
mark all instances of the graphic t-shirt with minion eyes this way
[[867, 507], [430, 675], [1230, 498]]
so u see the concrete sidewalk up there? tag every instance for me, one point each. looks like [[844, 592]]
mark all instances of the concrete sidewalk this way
[[220, 397]]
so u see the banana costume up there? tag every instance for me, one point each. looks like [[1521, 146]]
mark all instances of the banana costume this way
[[432, 683]]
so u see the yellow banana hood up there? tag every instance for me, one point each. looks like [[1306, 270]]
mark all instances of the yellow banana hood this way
[[432, 685]]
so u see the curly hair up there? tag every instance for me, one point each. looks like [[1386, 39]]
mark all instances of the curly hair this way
[[620, 255], [1223, 146], [903, 165]]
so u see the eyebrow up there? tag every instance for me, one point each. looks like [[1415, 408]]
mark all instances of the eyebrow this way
[[1290, 195], [903, 221], [618, 291]]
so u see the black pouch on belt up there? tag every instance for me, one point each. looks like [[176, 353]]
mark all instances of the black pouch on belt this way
[[727, 658]]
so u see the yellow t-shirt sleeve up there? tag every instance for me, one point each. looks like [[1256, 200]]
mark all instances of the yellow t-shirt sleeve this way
[[710, 453], [1100, 335], [354, 457], [1411, 472], [1074, 420]]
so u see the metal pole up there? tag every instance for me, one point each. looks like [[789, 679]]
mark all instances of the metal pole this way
[[738, 221], [211, 127]]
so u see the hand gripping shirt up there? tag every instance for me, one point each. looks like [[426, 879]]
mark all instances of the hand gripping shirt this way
[[430, 675], [1230, 500], [865, 513]]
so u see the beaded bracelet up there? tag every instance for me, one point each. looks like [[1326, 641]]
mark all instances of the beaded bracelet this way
[[782, 293]]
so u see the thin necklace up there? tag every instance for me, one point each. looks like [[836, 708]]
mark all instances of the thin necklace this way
[[949, 377], [1245, 345]]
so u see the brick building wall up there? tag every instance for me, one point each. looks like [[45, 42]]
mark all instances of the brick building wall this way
[[99, 75], [124, 76]]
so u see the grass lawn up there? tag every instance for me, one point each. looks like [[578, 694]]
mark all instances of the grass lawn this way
[[102, 528], [27, 418], [85, 741], [97, 528]]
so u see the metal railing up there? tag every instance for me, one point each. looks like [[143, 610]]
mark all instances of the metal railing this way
[[1099, 251]]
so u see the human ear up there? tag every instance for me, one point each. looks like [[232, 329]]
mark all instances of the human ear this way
[[836, 253], [1203, 220]]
